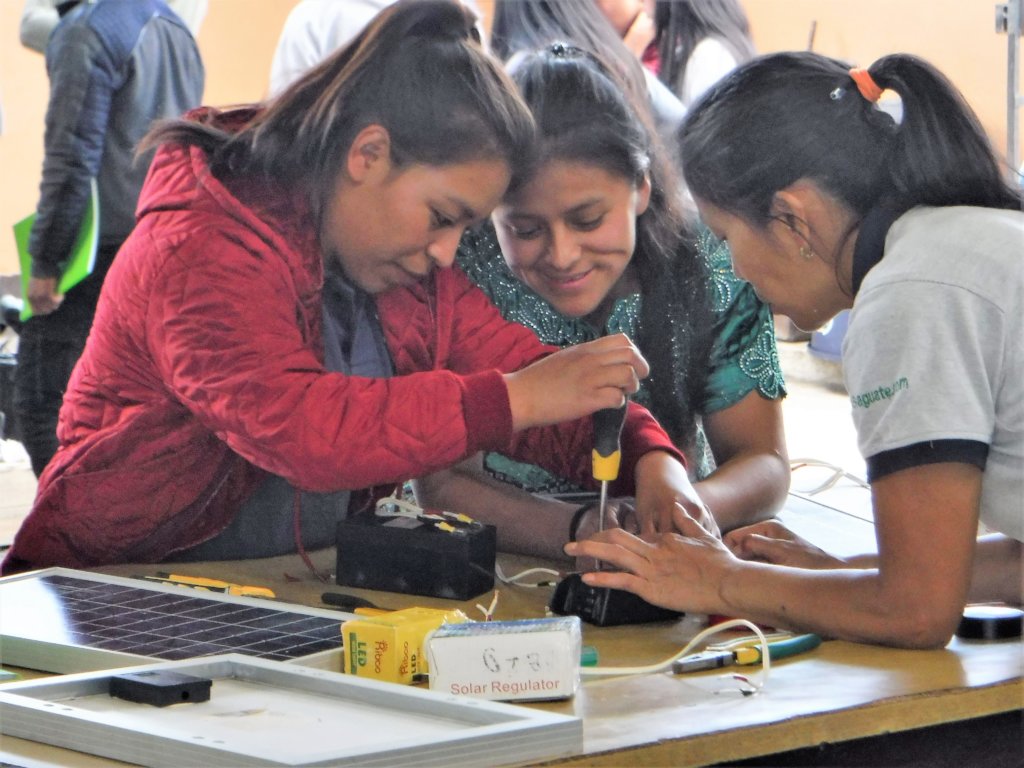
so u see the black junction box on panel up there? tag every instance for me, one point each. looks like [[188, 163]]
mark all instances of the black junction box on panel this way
[[160, 688], [402, 554]]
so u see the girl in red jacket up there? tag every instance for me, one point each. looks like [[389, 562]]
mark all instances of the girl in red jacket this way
[[283, 326]]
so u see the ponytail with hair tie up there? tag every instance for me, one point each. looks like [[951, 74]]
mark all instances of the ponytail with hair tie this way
[[866, 84]]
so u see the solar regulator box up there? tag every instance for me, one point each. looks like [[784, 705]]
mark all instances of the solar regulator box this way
[[407, 555]]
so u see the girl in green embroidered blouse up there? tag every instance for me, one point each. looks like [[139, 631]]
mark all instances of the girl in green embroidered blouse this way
[[592, 240]]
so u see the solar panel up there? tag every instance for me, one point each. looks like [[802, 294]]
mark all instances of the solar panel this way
[[262, 712], [63, 620]]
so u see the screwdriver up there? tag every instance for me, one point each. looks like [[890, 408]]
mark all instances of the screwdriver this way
[[607, 454], [211, 585]]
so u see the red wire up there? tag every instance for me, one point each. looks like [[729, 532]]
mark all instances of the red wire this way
[[297, 529]]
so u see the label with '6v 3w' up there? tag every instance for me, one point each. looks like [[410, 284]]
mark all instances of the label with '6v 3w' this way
[[532, 659]]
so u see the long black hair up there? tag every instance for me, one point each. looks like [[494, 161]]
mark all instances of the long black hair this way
[[789, 116], [418, 69], [680, 25], [530, 25], [584, 115]]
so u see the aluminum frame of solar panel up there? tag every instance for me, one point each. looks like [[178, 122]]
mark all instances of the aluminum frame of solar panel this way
[[264, 712]]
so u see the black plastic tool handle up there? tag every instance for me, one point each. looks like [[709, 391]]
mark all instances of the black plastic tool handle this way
[[607, 452]]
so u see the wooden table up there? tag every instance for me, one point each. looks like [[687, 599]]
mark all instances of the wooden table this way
[[838, 692]]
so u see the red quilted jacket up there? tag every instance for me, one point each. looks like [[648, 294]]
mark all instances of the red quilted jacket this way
[[204, 370]]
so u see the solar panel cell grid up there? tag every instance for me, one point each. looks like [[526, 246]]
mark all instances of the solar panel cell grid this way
[[159, 622]]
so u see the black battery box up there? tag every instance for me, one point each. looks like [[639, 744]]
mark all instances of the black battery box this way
[[407, 555]]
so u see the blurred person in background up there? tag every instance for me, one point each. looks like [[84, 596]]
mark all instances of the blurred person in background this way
[[39, 17], [115, 66], [697, 43], [688, 44], [528, 25], [633, 20], [315, 29]]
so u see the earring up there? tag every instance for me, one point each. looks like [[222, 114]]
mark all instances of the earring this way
[[806, 252]]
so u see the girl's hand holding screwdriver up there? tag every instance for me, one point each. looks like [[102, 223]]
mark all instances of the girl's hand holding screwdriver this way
[[575, 382]]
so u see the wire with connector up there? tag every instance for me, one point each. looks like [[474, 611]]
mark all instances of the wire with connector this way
[[699, 638], [517, 578], [488, 612], [450, 522]]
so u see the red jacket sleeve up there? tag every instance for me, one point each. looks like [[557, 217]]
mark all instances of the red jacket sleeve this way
[[225, 339]]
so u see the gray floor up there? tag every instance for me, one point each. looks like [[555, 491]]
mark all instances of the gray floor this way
[[817, 417]]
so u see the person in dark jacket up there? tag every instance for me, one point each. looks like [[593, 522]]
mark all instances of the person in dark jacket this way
[[40, 17], [115, 66]]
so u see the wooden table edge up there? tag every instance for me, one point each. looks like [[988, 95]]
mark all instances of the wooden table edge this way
[[902, 713]]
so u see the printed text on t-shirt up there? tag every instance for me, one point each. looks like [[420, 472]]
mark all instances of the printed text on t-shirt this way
[[866, 399]]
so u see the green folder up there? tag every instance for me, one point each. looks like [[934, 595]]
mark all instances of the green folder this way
[[83, 254]]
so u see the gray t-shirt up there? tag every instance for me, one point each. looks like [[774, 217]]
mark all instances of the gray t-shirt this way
[[935, 347]]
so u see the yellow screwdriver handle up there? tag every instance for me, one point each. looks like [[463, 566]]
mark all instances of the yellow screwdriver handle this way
[[607, 454]]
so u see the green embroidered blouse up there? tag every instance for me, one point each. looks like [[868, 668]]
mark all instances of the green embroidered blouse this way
[[743, 355]]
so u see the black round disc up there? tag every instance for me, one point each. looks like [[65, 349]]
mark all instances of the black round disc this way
[[991, 622]]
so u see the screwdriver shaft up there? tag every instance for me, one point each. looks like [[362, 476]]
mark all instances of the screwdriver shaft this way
[[602, 505]]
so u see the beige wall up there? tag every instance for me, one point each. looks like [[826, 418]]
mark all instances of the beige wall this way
[[958, 36], [238, 37]]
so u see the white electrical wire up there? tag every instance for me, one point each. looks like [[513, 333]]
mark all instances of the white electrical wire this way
[[516, 577], [400, 507], [488, 612], [661, 666], [838, 473]]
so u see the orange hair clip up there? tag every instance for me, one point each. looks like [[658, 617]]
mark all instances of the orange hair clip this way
[[866, 85]]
